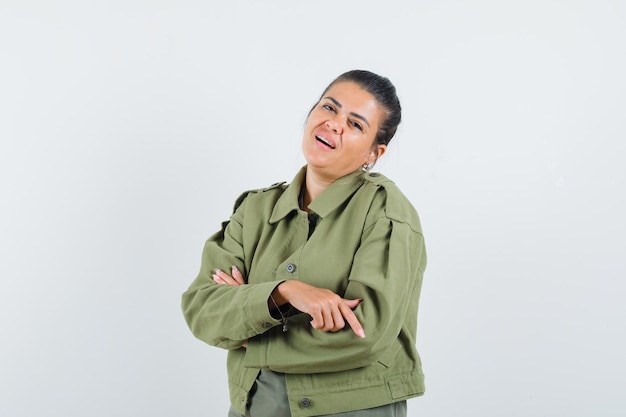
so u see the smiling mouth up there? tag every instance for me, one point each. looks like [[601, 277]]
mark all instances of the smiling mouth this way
[[324, 141]]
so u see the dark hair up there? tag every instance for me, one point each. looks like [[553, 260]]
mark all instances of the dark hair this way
[[385, 94]]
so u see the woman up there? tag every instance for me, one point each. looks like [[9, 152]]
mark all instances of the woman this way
[[313, 287]]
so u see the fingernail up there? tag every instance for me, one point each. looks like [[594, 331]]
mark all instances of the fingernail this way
[[217, 271], [235, 268], [361, 334]]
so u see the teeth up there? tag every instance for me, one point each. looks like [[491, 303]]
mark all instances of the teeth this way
[[321, 139]]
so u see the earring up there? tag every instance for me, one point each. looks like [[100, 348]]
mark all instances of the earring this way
[[367, 167]]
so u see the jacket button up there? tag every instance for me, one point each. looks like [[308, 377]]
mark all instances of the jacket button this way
[[291, 268], [266, 325], [374, 174], [305, 402]]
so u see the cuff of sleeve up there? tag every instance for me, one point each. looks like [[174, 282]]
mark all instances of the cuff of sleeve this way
[[256, 307]]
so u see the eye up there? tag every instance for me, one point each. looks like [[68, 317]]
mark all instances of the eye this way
[[357, 125], [328, 107]]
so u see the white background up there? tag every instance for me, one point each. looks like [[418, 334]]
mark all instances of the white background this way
[[128, 128]]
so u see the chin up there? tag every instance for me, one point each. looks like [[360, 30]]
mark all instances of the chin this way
[[318, 164]]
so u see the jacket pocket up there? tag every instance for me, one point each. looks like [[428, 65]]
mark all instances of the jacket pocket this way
[[390, 354]]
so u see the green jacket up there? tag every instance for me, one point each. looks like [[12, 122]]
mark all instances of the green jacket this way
[[367, 244]]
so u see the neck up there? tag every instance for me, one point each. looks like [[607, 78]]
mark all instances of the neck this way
[[314, 185]]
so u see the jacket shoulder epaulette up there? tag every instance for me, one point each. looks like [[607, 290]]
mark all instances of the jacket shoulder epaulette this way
[[377, 178], [275, 186], [397, 206]]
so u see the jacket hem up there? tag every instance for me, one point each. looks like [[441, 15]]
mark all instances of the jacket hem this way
[[329, 400]]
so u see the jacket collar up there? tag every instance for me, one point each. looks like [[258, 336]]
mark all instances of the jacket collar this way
[[331, 198]]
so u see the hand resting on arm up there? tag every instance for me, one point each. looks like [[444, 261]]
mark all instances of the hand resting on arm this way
[[328, 310]]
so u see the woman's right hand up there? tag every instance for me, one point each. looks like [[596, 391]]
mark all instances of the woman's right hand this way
[[329, 311]]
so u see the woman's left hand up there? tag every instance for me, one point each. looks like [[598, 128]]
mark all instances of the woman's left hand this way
[[234, 280]]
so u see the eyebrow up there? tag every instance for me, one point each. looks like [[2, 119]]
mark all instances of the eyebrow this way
[[358, 116]]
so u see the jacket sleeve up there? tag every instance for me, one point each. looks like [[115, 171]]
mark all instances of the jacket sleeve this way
[[387, 274], [221, 315]]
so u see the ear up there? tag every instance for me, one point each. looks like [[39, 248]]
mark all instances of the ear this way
[[377, 151]]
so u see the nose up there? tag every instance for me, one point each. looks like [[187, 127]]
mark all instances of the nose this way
[[334, 124]]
